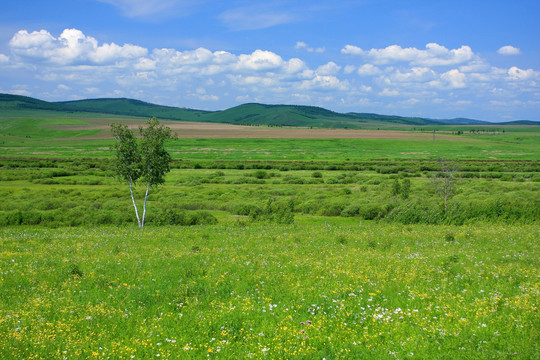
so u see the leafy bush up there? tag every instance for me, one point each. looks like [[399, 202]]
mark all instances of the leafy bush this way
[[280, 212], [260, 174], [182, 217], [245, 209], [333, 208]]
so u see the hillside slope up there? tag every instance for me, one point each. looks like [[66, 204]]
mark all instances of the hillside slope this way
[[246, 114]]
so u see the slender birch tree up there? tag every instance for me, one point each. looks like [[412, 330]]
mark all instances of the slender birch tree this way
[[143, 158], [444, 181]]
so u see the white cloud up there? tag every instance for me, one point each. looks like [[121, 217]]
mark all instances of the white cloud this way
[[434, 55], [454, 79], [410, 102], [20, 92], [389, 92], [368, 70], [352, 50], [294, 66], [349, 69], [259, 60], [509, 50], [78, 64], [71, 47], [302, 98], [323, 82], [517, 74], [256, 81], [328, 69], [416, 74], [145, 64], [302, 45]]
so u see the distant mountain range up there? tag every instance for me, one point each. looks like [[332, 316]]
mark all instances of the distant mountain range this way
[[246, 114]]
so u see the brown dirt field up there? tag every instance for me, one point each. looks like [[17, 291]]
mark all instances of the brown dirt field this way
[[192, 130]]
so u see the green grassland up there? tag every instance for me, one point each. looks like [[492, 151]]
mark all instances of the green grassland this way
[[301, 291], [45, 137], [270, 248]]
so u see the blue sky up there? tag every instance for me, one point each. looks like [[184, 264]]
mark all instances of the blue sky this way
[[439, 59]]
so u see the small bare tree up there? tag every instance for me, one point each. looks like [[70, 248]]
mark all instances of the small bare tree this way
[[142, 158], [444, 181]]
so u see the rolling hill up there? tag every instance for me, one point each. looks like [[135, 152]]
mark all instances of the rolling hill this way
[[246, 114]]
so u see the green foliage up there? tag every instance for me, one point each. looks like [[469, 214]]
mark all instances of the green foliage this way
[[279, 212], [83, 192], [182, 217], [128, 161], [406, 188], [155, 158], [144, 158]]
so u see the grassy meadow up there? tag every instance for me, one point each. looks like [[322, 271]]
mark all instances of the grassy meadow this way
[[277, 291], [271, 248]]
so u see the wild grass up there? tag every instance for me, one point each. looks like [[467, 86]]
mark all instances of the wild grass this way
[[288, 249], [264, 290], [80, 193]]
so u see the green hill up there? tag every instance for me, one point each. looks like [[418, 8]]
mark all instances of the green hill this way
[[282, 115], [246, 114], [130, 107]]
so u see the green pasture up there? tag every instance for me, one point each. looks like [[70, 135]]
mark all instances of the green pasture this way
[[35, 137], [270, 248], [305, 291]]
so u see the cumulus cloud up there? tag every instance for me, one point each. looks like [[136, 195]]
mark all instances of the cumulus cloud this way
[[71, 47], [509, 50], [368, 70], [205, 62], [259, 60], [515, 73], [79, 64], [352, 50], [416, 74], [433, 55], [323, 82], [454, 78], [328, 69]]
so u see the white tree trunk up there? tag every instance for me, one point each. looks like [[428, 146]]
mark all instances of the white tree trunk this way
[[144, 206], [135, 205]]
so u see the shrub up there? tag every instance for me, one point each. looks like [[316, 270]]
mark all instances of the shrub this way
[[350, 211], [182, 217], [245, 209], [417, 212], [309, 207], [280, 212], [260, 174], [371, 212], [30, 217], [332, 209]]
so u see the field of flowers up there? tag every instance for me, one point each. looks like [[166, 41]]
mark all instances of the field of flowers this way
[[235, 290]]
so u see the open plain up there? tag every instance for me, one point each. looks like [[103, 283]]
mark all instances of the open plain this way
[[269, 242]]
